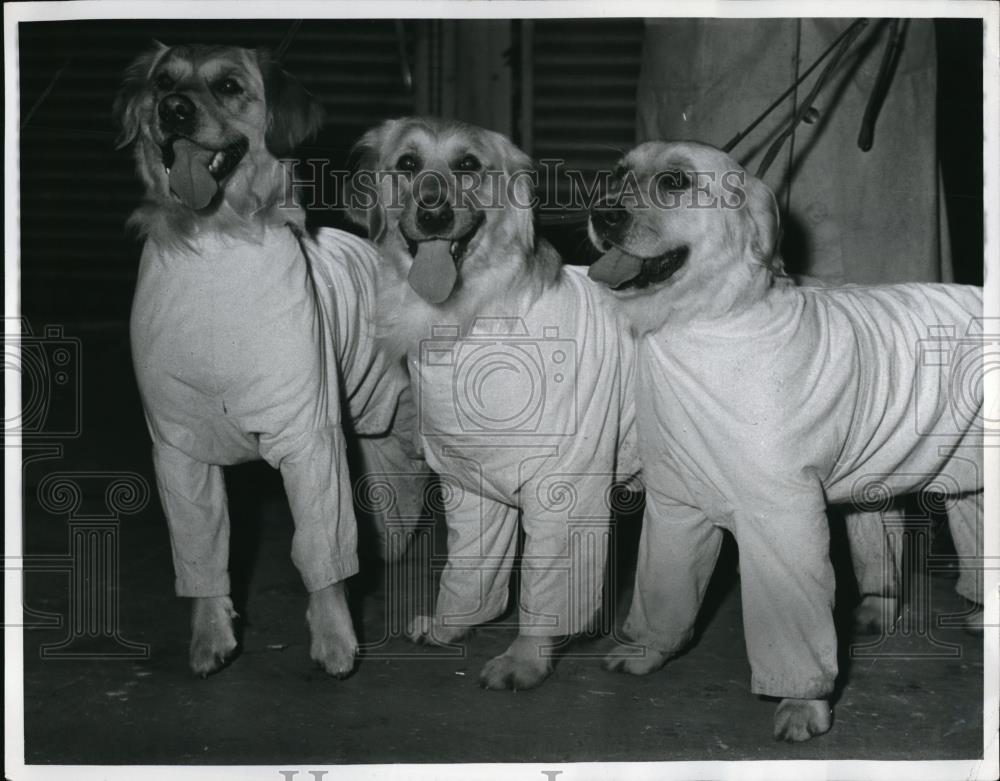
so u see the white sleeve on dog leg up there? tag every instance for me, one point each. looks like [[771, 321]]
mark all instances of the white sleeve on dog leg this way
[[391, 488], [566, 546], [193, 494], [482, 539], [787, 589], [965, 521], [324, 546], [346, 271], [874, 550], [678, 549]]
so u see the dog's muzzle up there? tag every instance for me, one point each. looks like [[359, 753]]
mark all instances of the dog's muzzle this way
[[607, 217], [177, 114], [433, 221], [195, 172], [618, 268], [621, 270]]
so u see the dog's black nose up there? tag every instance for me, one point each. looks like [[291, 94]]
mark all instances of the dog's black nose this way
[[435, 220], [177, 114], [608, 216]]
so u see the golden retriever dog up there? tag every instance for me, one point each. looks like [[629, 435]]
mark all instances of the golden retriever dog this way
[[759, 402], [522, 371], [249, 336]]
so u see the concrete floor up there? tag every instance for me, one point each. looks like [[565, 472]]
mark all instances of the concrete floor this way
[[409, 704]]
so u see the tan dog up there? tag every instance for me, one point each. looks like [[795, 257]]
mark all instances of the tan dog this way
[[760, 402], [522, 370], [245, 333]]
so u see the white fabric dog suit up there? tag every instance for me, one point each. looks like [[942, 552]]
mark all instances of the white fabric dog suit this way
[[755, 421], [533, 412], [235, 361]]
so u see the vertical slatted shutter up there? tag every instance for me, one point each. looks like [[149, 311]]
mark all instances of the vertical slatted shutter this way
[[579, 79]]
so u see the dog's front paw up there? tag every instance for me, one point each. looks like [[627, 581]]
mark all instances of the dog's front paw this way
[[425, 630], [524, 665], [797, 720], [633, 659], [212, 639], [334, 645], [874, 615]]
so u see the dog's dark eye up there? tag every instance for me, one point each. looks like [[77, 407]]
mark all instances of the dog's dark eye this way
[[469, 163], [163, 82], [228, 87], [620, 171], [407, 163]]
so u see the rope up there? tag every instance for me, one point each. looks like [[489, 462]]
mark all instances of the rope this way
[[845, 40], [890, 58]]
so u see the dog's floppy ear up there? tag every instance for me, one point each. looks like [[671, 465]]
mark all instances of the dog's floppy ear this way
[[362, 197], [523, 193], [520, 195], [765, 225], [134, 85], [293, 114]]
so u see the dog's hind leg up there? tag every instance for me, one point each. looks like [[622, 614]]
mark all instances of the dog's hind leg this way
[[964, 472], [965, 521], [876, 554], [390, 491], [482, 542], [194, 500], [324, 546], [678, 549]]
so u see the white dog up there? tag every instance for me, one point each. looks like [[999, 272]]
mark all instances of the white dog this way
[[759, 402], [522, 370], [248, 335]]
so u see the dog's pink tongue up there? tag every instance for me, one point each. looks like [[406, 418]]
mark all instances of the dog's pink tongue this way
[[615, 268], [433, 273], [189, 176]]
